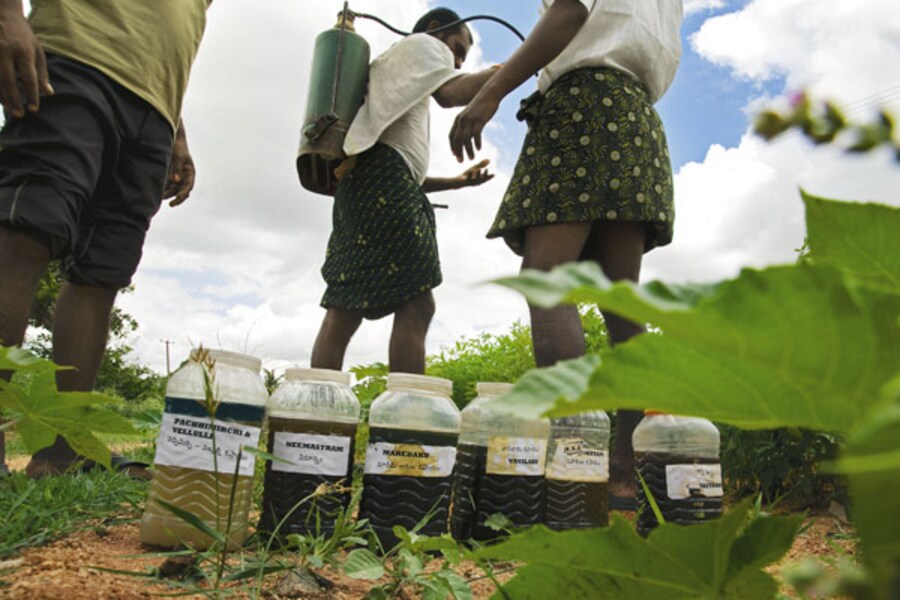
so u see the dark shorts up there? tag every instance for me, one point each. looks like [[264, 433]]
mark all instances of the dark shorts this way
[[595, 151], [85, 174], [383, 247]]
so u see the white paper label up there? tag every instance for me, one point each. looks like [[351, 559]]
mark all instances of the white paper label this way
[[574, 460], [516, 456], [414, 460], [693, 481], [186, 441], [311, 454]]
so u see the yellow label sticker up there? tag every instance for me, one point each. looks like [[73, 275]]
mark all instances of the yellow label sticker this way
[[573, 459], [412, 460], [516, 456]]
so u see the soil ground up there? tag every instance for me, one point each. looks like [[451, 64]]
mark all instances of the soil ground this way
[[81, 567]]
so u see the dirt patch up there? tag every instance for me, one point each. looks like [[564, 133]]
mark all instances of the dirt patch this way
[[73, 568]]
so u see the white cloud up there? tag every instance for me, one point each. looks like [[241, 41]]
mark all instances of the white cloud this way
[[741, 205], [696, 6]]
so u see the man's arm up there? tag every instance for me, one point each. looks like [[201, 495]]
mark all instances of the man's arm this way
[[22, 62], [459, 91], [550, 36], [180, 180], [474, 175]]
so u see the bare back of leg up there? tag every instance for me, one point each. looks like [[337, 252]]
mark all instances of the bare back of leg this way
[[556, 332], [618, 248], [334, 336], [407, 347]]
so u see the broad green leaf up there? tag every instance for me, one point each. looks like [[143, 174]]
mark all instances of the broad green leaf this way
[[363, 564], [863, 240], [42, 412], [874, 475], [785, 346], [13, 358], [699, 561]]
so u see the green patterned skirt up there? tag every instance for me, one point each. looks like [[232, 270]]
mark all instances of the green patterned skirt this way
[[595, 151], [383, 249]]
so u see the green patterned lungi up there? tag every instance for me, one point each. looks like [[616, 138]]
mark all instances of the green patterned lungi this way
[[383, 249], [595, 150]]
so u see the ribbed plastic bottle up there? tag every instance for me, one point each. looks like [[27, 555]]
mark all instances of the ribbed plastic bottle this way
[[197, 454], [678, 458], [499, 466], [312, 426], [578, 472], [413, 430]]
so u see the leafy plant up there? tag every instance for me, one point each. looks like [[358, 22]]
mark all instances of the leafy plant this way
[[39, 411], [809, 345]]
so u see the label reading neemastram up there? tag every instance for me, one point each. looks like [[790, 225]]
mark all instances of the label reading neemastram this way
[[693, 481], [311, 454], [575, 460], [413, 460], [516, 456], [186, 440]]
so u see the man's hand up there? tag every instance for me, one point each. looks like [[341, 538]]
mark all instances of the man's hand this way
[[475, 175], [180, 179], [470, 122], [23, 66]]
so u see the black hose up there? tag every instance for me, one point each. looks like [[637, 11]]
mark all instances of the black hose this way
[[443, 27]]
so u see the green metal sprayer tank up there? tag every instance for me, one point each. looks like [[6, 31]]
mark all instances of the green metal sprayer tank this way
[[340, 70]]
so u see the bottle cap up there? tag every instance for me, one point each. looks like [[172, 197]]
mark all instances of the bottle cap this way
[[419, 383], [492, 388], [300, 374]]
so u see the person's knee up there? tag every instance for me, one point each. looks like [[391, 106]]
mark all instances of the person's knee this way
[[341, 323], [419, 310]]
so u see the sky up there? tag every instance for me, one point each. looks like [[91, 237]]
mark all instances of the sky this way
[[237, 266]]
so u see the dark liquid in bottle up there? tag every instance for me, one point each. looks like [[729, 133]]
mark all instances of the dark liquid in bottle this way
[[477, 495], [687, 511], [283, 490], [576, 504], [390, 500]]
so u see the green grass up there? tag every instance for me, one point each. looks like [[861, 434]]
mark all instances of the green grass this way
[[38, 511]]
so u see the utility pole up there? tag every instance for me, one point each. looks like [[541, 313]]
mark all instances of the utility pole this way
[[168, 364]]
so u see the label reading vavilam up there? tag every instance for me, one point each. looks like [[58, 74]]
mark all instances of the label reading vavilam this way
[[412, 460], [693, 481], [187, 441], [311, 454], [574, 459], [516, 456]]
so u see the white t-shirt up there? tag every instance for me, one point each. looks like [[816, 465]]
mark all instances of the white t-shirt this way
[[640, 37], [395, 112]]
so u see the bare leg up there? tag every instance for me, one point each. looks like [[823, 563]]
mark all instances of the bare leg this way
[[555, 332], [23, 260], [618, 248], [80, 331], [337, 328], [407, 348]]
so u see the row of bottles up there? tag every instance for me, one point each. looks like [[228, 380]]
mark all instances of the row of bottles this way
[[425, 461]]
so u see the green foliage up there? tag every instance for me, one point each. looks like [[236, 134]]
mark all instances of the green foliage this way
[[823, 123], [40, 412], [37, 511], [501, 357], [811, 345], [718, 559], [784, 465]]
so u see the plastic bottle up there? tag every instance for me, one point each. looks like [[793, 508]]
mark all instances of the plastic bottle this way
[[187, 472], [499, 467], [678, 458], [413, 430], [578, 472], [313, 417]]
